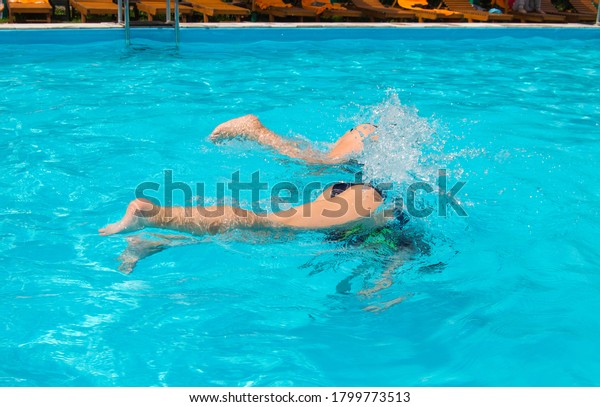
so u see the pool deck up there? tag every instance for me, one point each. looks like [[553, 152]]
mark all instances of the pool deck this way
[[58, 26]]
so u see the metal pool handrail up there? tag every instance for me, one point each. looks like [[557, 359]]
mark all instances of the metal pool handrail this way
[[167, 18]]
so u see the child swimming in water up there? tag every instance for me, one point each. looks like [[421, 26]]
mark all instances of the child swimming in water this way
[[344, 210]]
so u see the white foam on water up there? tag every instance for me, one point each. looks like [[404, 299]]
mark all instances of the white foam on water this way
[[409, 148]]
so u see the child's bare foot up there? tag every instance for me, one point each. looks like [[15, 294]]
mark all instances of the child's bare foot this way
[[246, 127], [111, 229], [127, 224], [131, 221], [138, 249]]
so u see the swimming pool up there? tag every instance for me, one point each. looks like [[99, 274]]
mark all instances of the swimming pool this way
[[506, 296]]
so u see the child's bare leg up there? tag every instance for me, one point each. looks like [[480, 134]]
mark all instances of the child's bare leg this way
[[351, 143], [195, 220], [139, 248], [132, 220], [386, 305], [387, 278], [249, 127], [136, 250], [382, 284]]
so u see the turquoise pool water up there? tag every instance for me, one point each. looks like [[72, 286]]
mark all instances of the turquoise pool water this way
[[506, 296]]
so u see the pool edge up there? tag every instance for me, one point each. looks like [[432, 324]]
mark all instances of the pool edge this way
[[112, 26]]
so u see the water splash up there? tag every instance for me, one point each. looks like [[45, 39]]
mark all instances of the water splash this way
[[408, 147]]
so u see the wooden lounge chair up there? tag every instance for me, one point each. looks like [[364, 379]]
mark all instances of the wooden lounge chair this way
[[584, 6], [327, 9], [217, 7], [471, 14], [154, 7], [529, 17], [94, 7], [277, 8], [29, 7], [374, 9], [417, 7], [573, 17]]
